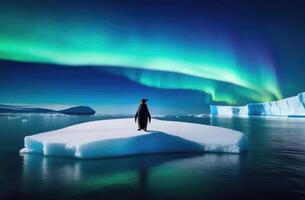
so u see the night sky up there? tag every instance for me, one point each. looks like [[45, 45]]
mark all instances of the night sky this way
[[182, 55]]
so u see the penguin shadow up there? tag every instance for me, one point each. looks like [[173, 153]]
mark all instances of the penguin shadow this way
[[148, 131], [151, 140]]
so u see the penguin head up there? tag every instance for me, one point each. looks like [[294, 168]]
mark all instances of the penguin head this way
[[144, 100]]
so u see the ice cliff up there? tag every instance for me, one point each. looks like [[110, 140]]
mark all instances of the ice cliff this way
[[292, 106]]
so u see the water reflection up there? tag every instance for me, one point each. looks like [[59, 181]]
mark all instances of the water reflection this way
[[143, 176], [73, 170]]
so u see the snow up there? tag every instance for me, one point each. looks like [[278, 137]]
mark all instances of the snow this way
[[292, 106], [64, 109], [119, 137]]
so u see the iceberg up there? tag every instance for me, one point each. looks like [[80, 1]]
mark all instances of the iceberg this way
[[119, 137], [292, 106], [229, 110], [64, 109]]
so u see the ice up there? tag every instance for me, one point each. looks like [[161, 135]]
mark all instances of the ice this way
[[292, 106], [119, 137], [229, 110], [64, 109]]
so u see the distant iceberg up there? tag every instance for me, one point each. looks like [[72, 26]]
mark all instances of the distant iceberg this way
[[119, 137], [292, 106], [64, 109]]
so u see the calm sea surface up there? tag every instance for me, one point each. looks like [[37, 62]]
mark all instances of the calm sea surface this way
[[274, 167]]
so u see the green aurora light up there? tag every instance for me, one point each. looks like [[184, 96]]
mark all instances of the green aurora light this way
[[159, 57]]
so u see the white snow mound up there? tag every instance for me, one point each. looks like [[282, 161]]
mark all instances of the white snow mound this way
[[119, 137]]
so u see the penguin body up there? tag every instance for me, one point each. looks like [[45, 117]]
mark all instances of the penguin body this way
[[142, 116]]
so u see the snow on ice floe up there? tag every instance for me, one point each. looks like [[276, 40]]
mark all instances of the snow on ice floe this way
[[119, 137], [63, 109], [292, 106]]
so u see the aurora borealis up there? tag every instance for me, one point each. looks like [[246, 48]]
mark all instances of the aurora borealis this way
[[217, 50]]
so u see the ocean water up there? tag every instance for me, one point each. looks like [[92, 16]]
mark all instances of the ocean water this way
[[274, 167]]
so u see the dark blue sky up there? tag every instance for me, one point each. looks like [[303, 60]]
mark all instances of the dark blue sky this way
[[244, 51], [28, 83]]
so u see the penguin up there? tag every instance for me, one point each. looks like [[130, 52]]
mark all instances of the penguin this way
[[143, 115]]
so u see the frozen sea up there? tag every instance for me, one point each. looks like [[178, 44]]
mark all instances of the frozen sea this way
[[274, 167]]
